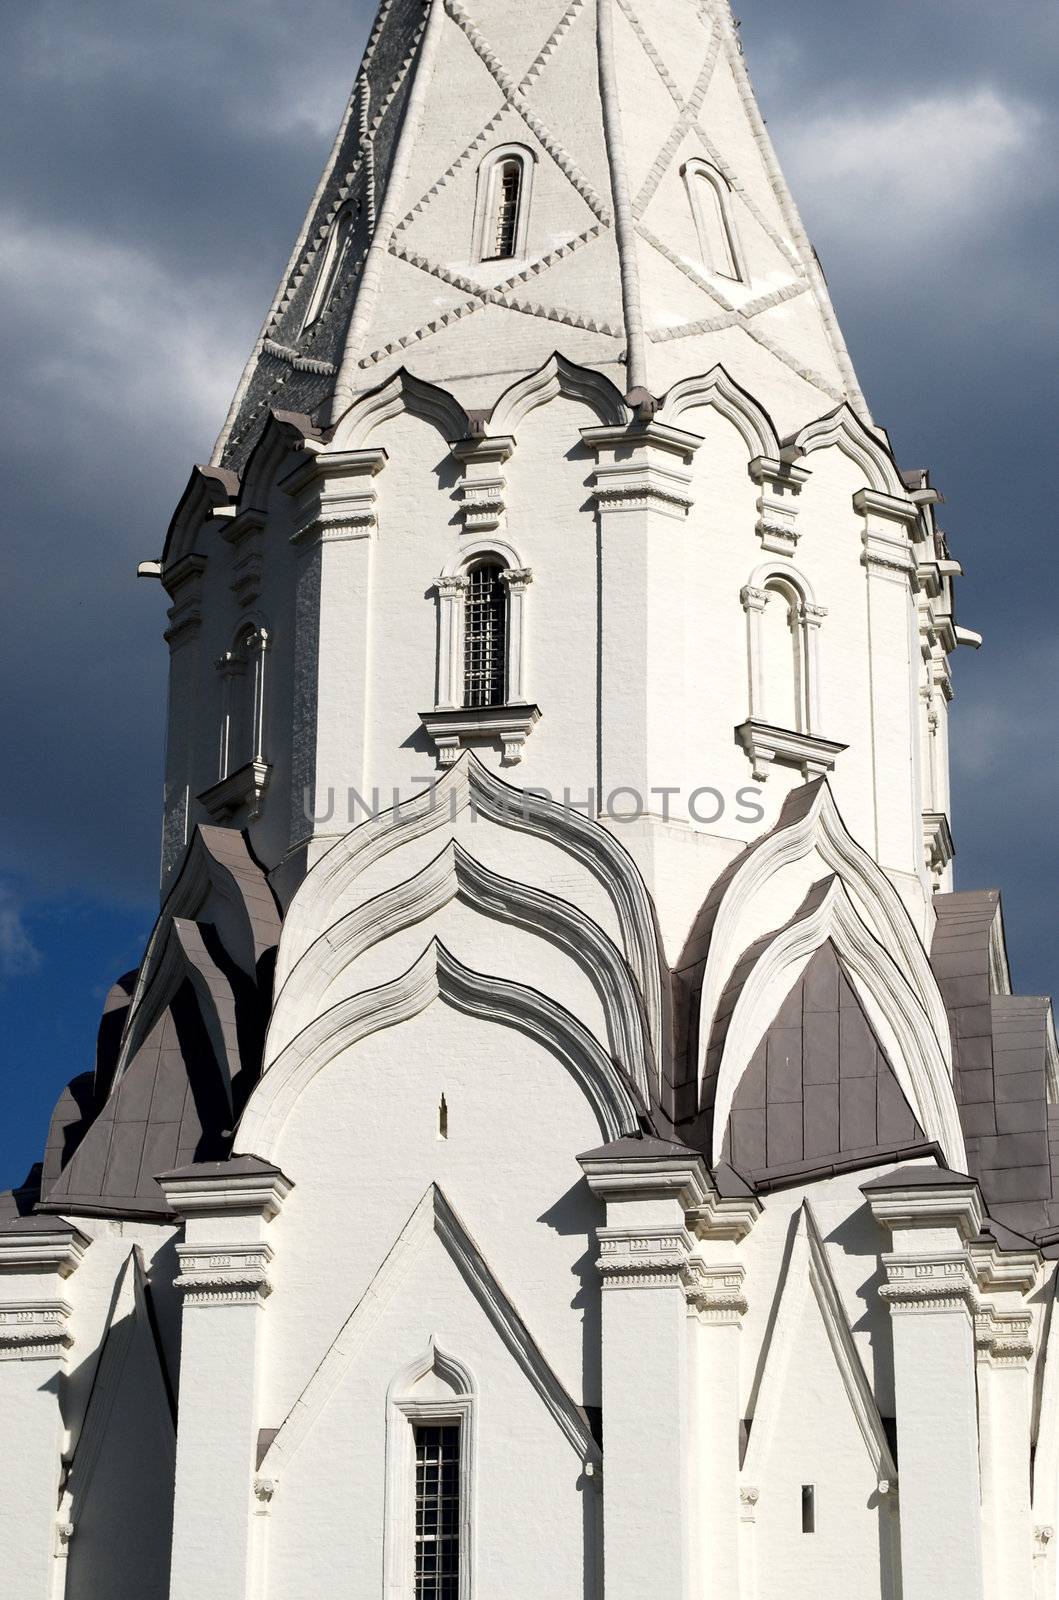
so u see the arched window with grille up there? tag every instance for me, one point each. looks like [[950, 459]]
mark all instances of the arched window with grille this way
[[485, 636], [710, 196], [783, 643], [505, 180], [481, 679]]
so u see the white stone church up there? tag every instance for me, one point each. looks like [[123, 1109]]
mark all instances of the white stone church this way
[[566, 1136]]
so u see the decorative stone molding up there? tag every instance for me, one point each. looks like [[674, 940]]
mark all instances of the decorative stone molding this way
[[334, 496], [40, 1244], [766, 745], [1003, 1339], [224, 1274], [34, 1330], [748, 1499], [245, 787], [656, 1258], [1042, 1539], [780, 484], [887, 536], [183, 583], [942, 1282], [482, 487], [460, 729], [643, 467], [244, 533], [939, 849], [715, 1292], [727, 1220], [264, 1492], [243, 1186]]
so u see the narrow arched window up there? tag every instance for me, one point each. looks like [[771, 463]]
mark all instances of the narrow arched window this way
[[502, 213], [242, 670], [711, 205], [782, 665], [335, 256], [505, 209], [485, 636]]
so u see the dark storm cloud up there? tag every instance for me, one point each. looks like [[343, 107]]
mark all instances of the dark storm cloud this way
[[165, 154]]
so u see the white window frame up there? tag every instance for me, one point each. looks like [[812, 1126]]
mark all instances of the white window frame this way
[[246, 656], [452, 588], [403, 1411], [487, 200], [806, 616], [695, 173]]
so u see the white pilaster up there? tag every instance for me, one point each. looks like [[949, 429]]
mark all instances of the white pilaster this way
[[931, 1291], [335, 525], [643, 495], [890, 566], [645, 1249], [717, 1305], [1005, 1344], [37, 1255], [224, 1259]]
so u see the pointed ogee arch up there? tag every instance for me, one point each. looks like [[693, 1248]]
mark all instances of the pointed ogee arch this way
[[720, 392], [881, 908], [402, 392], [436, 974], [558, 376], [844, 430], [455, 873], [469, 783]]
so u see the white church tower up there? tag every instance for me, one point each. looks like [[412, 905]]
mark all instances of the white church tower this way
[[566, 1136]]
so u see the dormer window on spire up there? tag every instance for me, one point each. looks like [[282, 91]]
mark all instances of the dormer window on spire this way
[[501, 224], [710, 195]]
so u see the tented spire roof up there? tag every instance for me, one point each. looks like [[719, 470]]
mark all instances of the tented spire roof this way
[[658, 235]]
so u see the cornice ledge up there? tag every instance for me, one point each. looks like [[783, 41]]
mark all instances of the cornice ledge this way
[[766, 744], [244, 1186]]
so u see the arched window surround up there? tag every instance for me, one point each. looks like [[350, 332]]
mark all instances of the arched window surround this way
[[453, 723], [765, 741], [488, 201], [452, 590], [412, 1398], [242, 770], [723, 255]]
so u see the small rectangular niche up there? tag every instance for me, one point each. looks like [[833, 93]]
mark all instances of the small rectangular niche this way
[[443, 1118]]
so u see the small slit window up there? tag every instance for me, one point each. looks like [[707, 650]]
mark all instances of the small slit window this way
[[336, 254], [808, 1508], [485, 637], [711, 205], [437, 1512], [502, 215]]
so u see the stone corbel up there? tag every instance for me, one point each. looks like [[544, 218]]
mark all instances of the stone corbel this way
[[226, 1207], [780, 484], [334, 495], [887, 537], [643, 467], [482, 487], [183, 584], [38, 1253], [244, 533]]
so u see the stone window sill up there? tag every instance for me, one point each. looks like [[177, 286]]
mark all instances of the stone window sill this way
[[768, 746], [461, 728]]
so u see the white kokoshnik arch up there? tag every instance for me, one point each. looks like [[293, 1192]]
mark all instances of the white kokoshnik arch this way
[[879, 905], [468, 783], [452, 874], [437, 974], [903, 1027]]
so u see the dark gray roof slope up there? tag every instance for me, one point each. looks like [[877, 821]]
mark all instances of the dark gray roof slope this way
[[819, 1093], [1003, 1046], [192, 1044]]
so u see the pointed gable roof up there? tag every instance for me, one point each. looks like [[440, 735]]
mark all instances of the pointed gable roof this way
[[641, 140], [819, 1093]]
